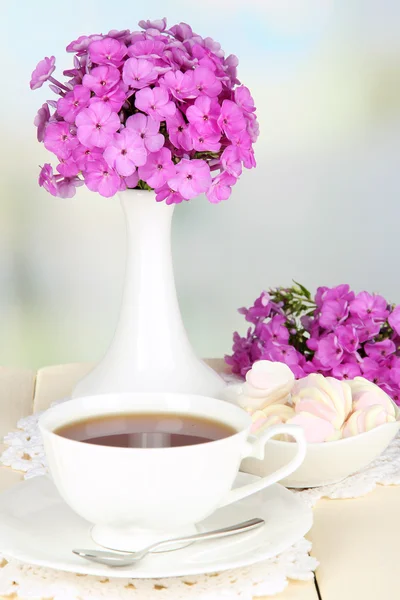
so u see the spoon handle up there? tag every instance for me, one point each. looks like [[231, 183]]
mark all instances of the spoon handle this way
[[212, 535]]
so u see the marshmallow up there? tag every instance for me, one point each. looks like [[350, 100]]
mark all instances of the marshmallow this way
[[325, 397], [365, 393], [366, 419], [315, 429], [266, 383], [271, 415]]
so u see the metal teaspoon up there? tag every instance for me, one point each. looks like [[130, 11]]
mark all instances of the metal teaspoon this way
[[115, 559]]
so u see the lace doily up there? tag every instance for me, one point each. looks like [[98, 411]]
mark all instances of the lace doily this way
[[25, 453], [266, 578]]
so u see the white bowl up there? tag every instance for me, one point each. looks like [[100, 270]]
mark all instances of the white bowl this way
[[327, 462]]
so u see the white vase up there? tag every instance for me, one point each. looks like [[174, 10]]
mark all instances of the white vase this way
[[150, 351]]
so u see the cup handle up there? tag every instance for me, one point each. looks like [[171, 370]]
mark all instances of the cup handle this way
[[255, 448]]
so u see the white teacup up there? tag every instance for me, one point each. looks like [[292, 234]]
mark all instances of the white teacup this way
[[135, 496]]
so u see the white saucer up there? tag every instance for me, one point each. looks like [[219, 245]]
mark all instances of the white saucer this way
[[38, 528]]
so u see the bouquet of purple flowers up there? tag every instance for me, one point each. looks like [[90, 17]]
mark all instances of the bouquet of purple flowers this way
[[155, 109], [336, 333]]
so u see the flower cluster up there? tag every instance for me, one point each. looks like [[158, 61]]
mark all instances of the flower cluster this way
[[337, 333], [155, 109]]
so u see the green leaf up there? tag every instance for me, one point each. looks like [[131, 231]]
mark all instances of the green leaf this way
[[305, 291]]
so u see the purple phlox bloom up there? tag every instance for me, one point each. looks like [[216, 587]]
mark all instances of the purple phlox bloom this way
[[169, 195], [312, 344], [394, 319], [348, 338], [320, 295], [239, 362], [66, 186], [73, 102], [307, 321], [298, 371], [97, 125], [213, 47], [192, 178], [347, 370], [333, 313], [392, 391], [367, 329], [330, 352], [340, 292], [205, 142], [242, 143], [147, 49], [252, 127], [85, 64], [230, 66], [315, 366], [115, 98], [47, 179], [369, 306], [221, 187], [380, 351], [243, 353], [102, 79], [159, 24], [56, 89], [282, 353], [68, 167], [43, 71], [148, 130], [231, 119], [392, 365], [132, 180], [82, 42], [107, 51], [125, 152], [178, 58], [207, 59], [100, 177], [372, 370], [260, 310], [230, 161], [137, 36], [205, 82], [139, 73], [41, 121], [76, 71], [244, 99], [119, 34], [83, 155], [181, 32], [178, 131], [59, 139], [179, 84], [275, 330], [203, 115], [155, 102], [158, 168]]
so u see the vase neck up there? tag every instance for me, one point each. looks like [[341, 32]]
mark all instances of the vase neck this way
[[144, 215], [149, 303]]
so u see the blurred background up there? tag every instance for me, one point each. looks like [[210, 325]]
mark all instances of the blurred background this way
[[322, 207]]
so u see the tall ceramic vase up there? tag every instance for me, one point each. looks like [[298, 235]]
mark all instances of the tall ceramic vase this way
[[150, 351]]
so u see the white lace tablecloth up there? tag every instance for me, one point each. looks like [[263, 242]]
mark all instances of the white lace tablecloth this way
[[25, 453]]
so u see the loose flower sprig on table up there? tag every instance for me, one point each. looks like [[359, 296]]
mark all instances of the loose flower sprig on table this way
[[336, 333], [155, 109]]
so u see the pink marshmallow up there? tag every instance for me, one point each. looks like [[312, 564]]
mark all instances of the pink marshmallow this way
[[316, 430], [267, 375]]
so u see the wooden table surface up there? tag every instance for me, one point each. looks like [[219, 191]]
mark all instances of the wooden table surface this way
[[356, 541]]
